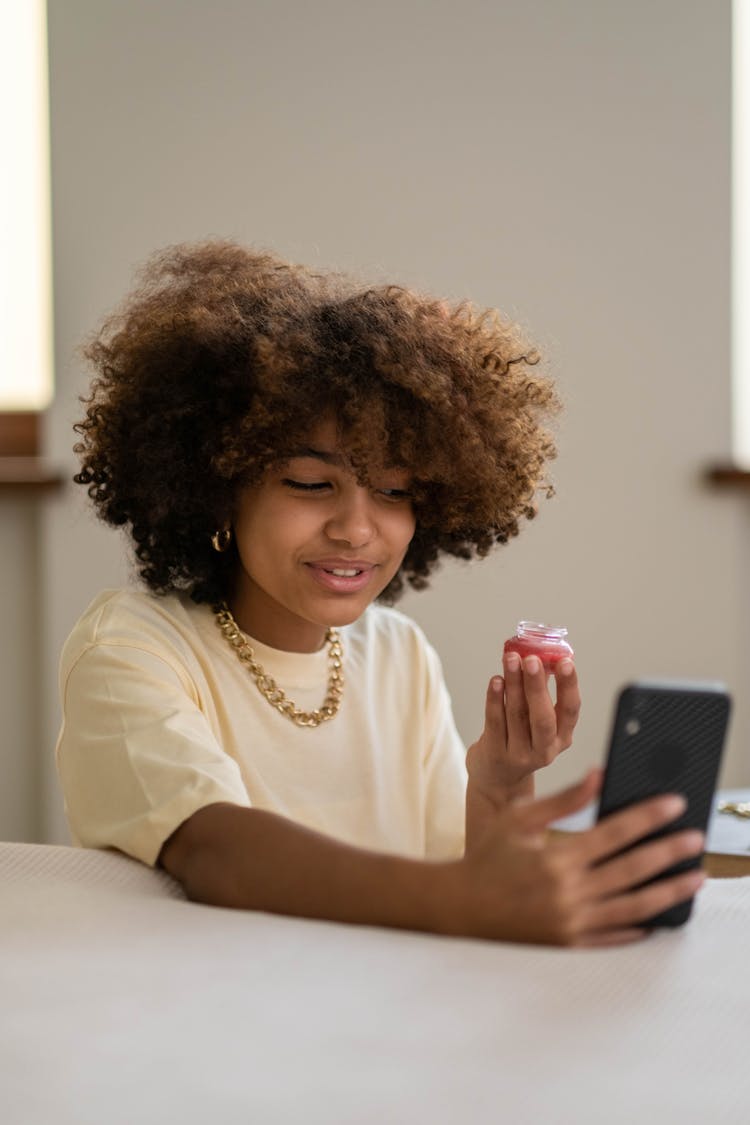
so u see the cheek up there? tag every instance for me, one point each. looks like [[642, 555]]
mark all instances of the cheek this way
[[403, 529], [258, 540]]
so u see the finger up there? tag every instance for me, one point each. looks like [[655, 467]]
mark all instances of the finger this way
[[541, 711], [628, 910], [494, 712], [568, 705], [642, 863], [622, 829], [536, 815], [516, 707]]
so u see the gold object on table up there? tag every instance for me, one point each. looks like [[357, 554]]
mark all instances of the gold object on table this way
[[735, 808]]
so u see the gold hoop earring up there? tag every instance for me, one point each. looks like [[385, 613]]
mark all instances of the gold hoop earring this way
[[220, 540]]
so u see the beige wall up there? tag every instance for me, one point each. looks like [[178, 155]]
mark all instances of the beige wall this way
[[21, 690], [566, 160]]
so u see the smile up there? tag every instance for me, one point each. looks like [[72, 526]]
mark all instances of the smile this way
[[341, 579]]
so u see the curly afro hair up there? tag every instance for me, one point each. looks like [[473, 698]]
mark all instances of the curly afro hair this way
[[224, 358]]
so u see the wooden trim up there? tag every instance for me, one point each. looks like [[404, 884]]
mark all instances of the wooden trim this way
[[22, 470], [726, 866], [19, 433], [728, 476], [28, 475]]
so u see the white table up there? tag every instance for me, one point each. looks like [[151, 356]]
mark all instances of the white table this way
[[124, 1004]]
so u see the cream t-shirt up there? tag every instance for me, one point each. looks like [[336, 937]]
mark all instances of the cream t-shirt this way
[[161, 718]]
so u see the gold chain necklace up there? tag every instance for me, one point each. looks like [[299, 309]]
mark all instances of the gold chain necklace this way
[[268, 687]]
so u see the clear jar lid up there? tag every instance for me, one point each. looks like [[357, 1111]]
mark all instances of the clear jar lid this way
[[541, 632]]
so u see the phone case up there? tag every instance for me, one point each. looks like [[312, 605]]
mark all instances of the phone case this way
[[667, 737]]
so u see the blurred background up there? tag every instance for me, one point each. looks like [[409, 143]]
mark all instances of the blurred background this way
[[565, 160]]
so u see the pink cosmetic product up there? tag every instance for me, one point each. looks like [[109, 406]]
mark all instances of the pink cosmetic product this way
[[548, 642]]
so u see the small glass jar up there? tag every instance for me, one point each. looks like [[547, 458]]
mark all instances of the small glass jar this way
[[545, 641]]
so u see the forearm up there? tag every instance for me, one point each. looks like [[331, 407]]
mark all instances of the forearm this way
[[595, 889], [248, 858], [483, 804]]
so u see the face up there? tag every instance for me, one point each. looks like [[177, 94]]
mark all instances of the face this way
[[315, 547]]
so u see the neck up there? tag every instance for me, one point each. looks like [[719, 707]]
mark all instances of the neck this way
[[272, 625]]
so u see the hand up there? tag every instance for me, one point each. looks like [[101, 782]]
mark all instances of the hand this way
[[520, 884], [523, 729]]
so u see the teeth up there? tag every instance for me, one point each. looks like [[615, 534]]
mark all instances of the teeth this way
[[345, 573]]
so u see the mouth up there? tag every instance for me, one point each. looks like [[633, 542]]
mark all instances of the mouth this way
[[340, 577]]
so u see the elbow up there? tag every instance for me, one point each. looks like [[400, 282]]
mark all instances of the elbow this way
[[202, 857]]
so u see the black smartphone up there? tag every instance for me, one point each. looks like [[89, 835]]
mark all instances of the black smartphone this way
[[667, 737]]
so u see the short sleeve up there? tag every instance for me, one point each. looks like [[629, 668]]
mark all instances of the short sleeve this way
[[136, 755], [445, 769]]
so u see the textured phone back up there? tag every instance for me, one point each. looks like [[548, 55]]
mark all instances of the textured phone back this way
[[667, 739]]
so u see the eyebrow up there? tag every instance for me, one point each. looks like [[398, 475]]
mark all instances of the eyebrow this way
[[319, 455], [329, 457]]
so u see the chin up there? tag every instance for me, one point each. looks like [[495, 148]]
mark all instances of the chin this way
[[338, 615]]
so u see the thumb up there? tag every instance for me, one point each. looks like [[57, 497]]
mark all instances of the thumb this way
[[536, 815]]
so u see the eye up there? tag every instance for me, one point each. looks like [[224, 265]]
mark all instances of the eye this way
[[303, 486], [395, 494]]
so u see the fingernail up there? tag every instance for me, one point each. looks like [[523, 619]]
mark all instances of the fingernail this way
[[532, 665], [496, 684], [512, 661], [675, 805], [566, 667]]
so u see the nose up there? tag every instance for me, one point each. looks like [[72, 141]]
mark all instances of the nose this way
[[353, 519]]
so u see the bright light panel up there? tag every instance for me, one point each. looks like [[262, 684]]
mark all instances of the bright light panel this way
[[741, 233], [25, 243]]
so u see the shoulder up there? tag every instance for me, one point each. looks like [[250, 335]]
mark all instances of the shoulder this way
[[387, 653], [166, 625], [389, 635]]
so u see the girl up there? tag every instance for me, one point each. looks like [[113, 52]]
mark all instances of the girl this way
[[287, 450]]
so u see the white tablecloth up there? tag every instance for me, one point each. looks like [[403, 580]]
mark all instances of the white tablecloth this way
[[123, 1003]]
